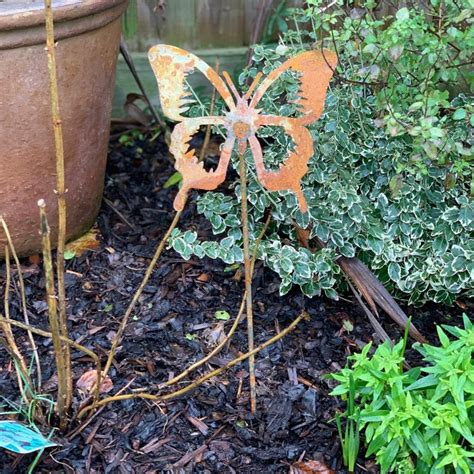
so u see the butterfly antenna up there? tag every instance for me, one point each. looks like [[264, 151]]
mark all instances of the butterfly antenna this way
[[253, 85], [230, 84]]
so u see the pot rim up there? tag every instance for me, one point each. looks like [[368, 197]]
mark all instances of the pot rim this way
[[20, 15], [22, 27]]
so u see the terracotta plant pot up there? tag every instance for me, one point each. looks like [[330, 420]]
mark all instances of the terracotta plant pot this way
[[88, 36]]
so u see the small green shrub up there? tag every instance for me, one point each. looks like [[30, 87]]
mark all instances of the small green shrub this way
[[391, 176], [420, 420]]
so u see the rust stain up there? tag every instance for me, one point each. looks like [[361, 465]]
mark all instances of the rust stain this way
[[171, 66]]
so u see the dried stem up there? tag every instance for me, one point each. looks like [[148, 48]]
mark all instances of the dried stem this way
[[232, 330], [61, 194], [70, 342], [136, 296], [20, 366], [248, 282], [23, 299], [215, 351], [201, 380], [207, 136], [58, 344]]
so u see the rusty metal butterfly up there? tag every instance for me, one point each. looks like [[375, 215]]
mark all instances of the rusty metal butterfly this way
[[171, 65]]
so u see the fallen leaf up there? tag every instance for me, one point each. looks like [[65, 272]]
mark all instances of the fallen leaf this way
[[215, 334], [310, 467], [34, 259], [87, 383], [204, 277], [77, 247]]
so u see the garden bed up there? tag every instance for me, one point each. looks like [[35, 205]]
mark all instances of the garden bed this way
[[210, 430]]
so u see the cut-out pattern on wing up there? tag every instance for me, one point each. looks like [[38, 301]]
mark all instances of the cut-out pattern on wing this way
[[192, 170], [294, 167], [315, 70], [171, 66]]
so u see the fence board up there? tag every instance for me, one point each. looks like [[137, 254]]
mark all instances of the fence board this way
[[219, 24]]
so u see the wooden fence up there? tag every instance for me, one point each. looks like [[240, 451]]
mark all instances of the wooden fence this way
[[216, 30]]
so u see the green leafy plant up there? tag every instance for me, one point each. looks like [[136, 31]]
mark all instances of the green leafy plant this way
[[29, 409], [391, 177], [130, 138], [350, 439], [420, 420]]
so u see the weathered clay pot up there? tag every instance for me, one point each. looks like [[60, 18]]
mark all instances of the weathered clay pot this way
[[88, 36]]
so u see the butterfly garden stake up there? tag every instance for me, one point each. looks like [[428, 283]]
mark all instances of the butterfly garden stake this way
[[314, 70]]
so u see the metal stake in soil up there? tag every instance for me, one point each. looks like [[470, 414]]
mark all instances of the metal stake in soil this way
[[248, 282]]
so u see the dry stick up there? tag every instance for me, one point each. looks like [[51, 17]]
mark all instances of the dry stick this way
[[373, 320], [23, 299], [70, 342], [129, 60], [232, 330], [204, 378], [61, 195], [54, 323], [216, 350], [248, 282], [21, 368], [138, 293], [207, 136]]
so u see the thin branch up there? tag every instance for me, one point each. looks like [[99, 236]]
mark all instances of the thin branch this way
[[129, 60], [70, 342], [21, 368], [207, 136], [61, 196], [139, 291], [232, 330], [54, 323], [201, 380], [248, 280], [23, 299]]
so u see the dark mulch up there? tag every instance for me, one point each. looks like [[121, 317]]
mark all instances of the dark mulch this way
[[211, 429]]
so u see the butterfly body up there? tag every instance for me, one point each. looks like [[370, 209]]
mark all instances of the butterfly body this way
[[242, 121]]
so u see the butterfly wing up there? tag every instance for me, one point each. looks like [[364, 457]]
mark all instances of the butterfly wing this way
[[315, 70], [295, 166], [171, 66], [192, 170]]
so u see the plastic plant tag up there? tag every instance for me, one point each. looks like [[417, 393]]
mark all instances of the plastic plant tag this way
[[18, 438]]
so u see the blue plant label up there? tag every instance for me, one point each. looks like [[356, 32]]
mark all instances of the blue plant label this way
[[18, 438]]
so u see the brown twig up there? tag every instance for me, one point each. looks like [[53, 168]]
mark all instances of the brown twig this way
[[23, 299], [380, 331], [54, 323], [215, 351], [201, 380], [365, 281], [129, 60], [207, 136], [138, 292], [61, 196], [248, 281], [70, 342], [232, 330], [114, 209], [20, 366]]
